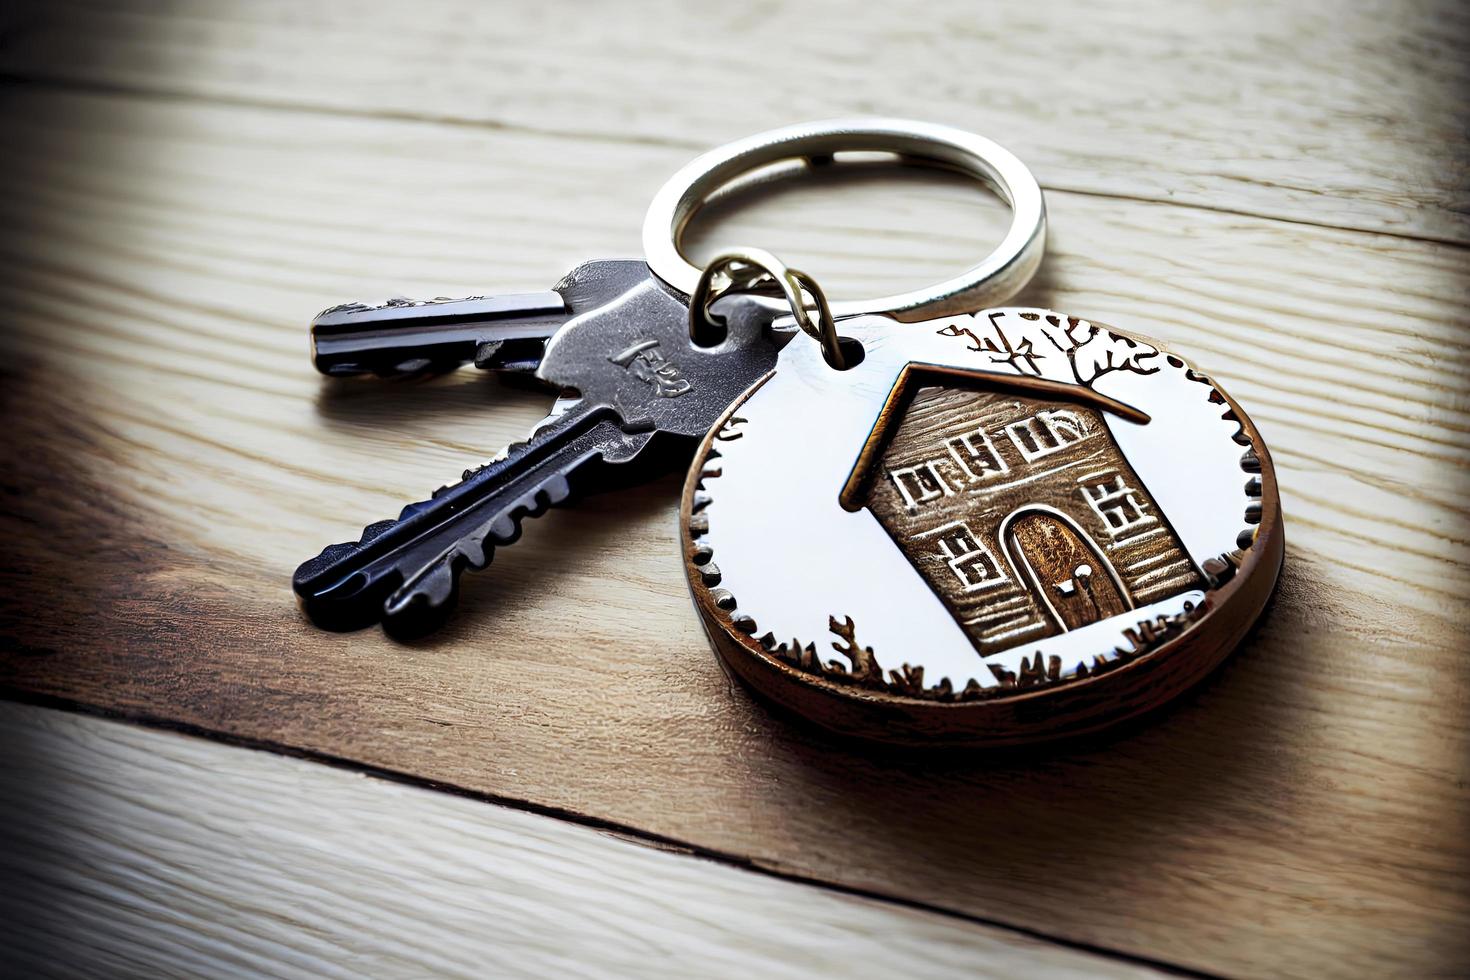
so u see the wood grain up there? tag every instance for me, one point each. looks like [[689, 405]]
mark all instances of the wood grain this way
[[124, 854], [171, 457], [1322, 112]]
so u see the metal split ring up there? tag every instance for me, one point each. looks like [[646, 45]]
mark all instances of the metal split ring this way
[[748, 269], [993, 280]]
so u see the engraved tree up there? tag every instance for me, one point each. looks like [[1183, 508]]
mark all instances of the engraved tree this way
[[1090, 350], [1093, 350]]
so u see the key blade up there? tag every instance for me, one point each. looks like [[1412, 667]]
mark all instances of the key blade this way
[[406, 571], [405, 337]]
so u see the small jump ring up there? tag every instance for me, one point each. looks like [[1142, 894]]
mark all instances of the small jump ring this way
[[993, 280], [744, 268]]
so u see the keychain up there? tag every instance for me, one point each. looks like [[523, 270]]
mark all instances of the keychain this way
[[907, 520], [982, 528]]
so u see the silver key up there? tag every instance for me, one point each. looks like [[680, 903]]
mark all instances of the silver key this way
[[647, 395], [402, 337]]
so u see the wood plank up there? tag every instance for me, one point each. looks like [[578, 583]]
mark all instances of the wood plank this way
[[172, 457], [1322, 112], [138, 852]]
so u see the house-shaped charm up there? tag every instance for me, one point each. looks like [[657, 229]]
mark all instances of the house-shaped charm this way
[[1023, 515]]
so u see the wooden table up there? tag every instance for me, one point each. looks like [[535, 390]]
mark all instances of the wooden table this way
[[1278, 191]]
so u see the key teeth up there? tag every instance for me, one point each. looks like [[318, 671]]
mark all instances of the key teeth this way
[[504, 530], [335, 552], [556, 491], [423, 602], [309, 569], [405, 573], [435, 586], [509, 451], [370, 532]]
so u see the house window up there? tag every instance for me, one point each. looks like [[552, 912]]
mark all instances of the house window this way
[[1046, 432], [1117, 504], [975, 454], [969, 560], [920, 484]]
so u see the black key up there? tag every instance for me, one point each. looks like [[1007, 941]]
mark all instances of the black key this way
[[647, 393]]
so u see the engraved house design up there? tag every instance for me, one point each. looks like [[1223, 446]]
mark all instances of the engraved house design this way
[[1023, 515]]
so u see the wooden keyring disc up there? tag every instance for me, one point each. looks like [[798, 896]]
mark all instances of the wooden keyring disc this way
[[1059, 594]]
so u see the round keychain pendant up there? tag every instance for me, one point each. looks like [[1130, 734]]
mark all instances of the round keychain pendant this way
[[983, 528], [995, 528]]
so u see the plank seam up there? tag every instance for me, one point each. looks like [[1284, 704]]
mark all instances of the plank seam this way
[[461, 122], [622, 831]]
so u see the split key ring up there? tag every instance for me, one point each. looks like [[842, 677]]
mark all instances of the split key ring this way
[[996, 278]]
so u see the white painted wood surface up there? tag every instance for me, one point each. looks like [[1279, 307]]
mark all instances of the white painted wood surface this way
[[131, 852]]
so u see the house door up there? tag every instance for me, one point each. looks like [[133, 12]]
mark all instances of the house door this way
[[1075, 581]]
